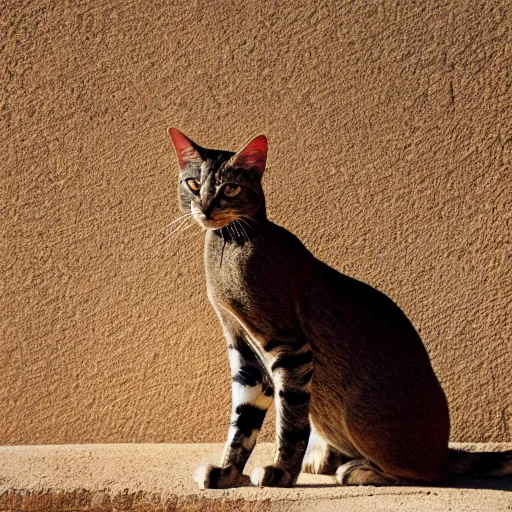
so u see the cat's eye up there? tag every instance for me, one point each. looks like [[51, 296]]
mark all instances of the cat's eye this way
[[232, 190], [193, 184]]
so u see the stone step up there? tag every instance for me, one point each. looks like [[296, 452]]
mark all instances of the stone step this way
[[158, 478]]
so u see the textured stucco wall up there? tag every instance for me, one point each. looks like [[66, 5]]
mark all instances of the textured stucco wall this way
[[390, 128]]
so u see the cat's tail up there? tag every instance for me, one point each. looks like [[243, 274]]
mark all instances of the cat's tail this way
[[481, 464]]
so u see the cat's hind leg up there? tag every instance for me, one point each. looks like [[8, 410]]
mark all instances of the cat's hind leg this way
[[321, 458], [364, 472]]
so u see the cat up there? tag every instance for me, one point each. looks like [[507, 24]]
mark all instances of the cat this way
[[354, 390]]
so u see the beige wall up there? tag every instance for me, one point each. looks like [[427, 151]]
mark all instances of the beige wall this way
[[390, 128]]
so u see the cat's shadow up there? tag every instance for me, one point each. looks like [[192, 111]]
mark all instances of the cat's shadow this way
[[494, 484]]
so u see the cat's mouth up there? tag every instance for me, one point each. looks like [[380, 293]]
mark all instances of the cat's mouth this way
[[214, 222]]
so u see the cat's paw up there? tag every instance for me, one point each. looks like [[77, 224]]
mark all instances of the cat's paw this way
[[271, 476], [314, 460], [215, 477], [318, 461]]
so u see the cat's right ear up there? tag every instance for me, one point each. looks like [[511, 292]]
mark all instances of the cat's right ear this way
[[253, 156], [186, 150]]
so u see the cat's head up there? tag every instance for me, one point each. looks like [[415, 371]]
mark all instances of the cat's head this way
[[220, 186]]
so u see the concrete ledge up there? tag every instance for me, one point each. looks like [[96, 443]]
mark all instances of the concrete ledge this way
[[158, 477]]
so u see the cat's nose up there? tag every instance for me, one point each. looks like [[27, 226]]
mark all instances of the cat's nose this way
[[208, 212]]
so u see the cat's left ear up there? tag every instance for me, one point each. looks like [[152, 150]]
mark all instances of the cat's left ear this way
[[253, 157]]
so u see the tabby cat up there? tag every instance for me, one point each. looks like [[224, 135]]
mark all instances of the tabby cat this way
[[354, 390]]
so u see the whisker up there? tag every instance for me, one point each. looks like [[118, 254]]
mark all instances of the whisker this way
[[251, 219], [160, 244], [247, 224], [182, 223], [187, 227], [243, 230], [236, 229], [246, 234], [178, 219], [166, 237]]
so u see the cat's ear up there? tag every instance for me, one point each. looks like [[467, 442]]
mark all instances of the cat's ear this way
[[186, 150], [253, 157]]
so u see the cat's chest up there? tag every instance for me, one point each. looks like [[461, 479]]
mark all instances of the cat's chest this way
[[227, 269], [251, 283]]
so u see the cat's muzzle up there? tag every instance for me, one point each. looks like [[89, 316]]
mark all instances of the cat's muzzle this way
[[208, 223]]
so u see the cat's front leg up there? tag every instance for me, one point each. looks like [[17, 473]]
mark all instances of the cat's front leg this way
[[252, 395], [292, 370]]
